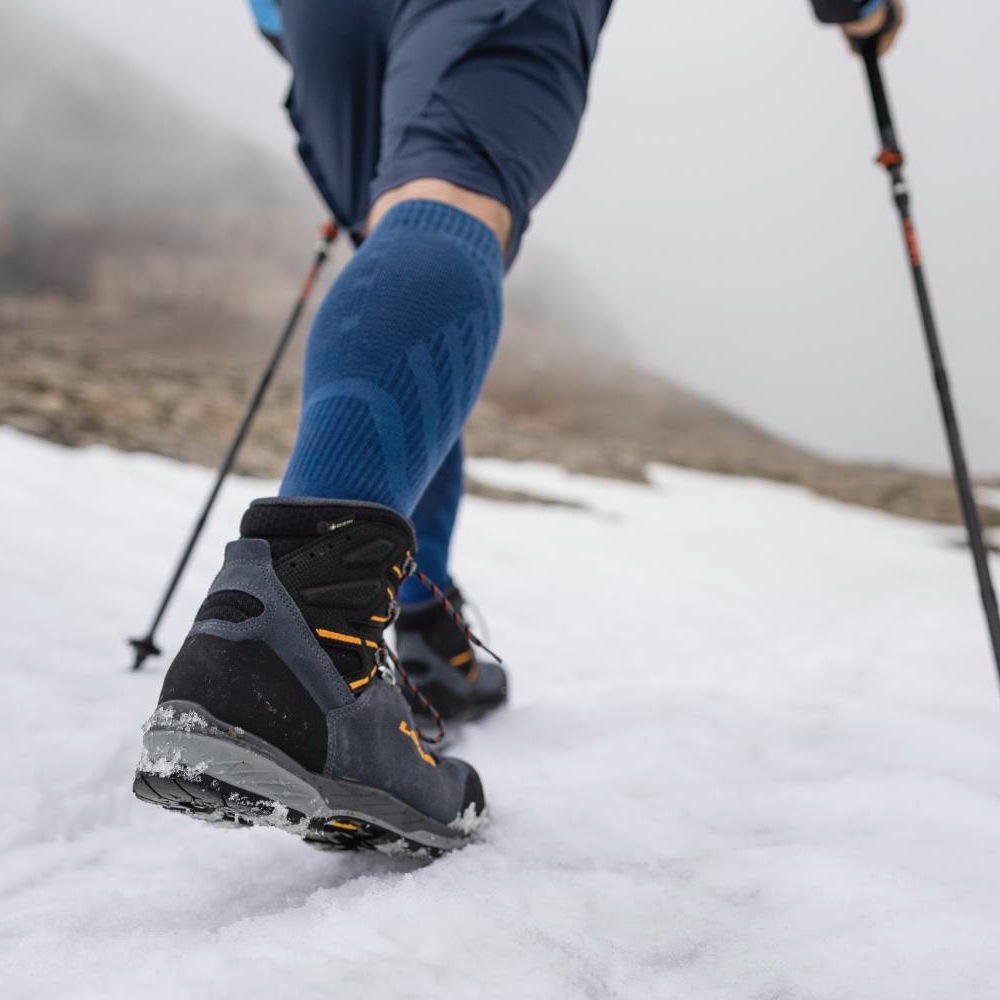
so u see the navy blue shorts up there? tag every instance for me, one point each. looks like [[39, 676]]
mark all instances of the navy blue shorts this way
[[486, 94]]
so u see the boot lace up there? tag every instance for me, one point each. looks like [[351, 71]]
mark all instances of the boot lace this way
[[391, 670]]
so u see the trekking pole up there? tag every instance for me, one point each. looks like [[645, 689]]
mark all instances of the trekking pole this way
[[146, 646], [892, 159]]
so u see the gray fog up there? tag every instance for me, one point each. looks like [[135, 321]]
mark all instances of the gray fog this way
[[723, 203]]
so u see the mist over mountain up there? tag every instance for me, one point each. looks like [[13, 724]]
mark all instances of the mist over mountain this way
[[84, 132], [108, 187]]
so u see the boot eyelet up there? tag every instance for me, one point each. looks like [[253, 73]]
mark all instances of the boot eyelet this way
[[385, 666]]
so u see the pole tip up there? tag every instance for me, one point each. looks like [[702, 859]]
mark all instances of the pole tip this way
[[144, 648]]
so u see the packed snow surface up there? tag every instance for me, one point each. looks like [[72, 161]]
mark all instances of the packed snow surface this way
[[753, 751]]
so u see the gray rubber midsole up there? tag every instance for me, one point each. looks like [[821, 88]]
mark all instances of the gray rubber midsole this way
[[182, 738]]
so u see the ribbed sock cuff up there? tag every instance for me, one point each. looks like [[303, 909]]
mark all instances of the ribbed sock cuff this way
[[446, 220]]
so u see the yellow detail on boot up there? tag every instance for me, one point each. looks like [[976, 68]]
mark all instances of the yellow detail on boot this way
[[415, 736], [341, 825], [461, 659], [354, 640], [354, 685]]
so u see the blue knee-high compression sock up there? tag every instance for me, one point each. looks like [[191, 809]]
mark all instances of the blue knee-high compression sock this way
[[434, 519], [397, 357]]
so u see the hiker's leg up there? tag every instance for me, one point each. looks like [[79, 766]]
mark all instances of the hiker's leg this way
[[401, 345], [280, 701], [397, 357], [499, 122]]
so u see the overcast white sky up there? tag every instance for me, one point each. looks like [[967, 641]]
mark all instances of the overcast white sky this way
[[723, 202]]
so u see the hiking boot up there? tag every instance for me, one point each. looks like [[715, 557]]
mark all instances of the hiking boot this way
[[435, 651], [282, 709]]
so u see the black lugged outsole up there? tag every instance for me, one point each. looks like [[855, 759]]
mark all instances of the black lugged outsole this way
[[208, 798]]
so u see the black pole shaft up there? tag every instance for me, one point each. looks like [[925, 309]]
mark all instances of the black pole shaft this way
[[146, 645], [892, 159]]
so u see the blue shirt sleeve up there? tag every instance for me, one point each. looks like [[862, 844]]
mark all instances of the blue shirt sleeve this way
[[268, 16]]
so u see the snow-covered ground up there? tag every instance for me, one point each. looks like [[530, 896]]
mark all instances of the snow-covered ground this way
[[753, 752]]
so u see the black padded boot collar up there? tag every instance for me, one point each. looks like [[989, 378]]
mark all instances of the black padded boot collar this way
[[305, 517]]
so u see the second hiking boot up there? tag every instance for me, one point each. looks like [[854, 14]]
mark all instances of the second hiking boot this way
[[281, 708], [436, 653]]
